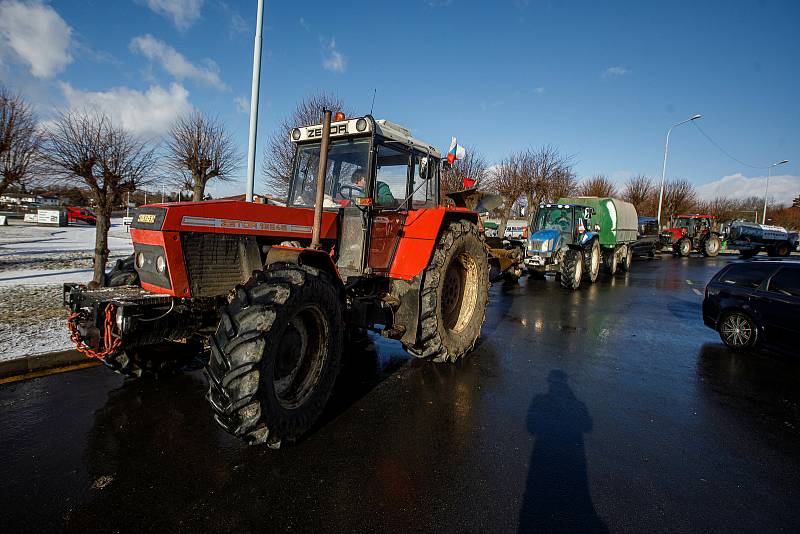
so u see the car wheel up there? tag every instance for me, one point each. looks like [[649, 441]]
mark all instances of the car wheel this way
[[738, 331]]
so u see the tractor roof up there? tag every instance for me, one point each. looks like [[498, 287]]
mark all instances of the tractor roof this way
[[694, 216], [350, 127]]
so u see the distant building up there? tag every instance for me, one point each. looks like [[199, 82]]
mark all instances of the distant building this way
[[28, 199]]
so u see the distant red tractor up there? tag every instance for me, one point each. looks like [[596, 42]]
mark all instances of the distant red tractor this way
[[689, 233], [84, 215], [270, 294]]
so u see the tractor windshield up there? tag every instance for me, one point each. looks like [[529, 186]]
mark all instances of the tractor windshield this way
[[346, 177], [555, 218]]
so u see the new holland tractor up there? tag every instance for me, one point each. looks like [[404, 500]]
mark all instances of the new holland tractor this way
[[271, 293], [573, 236]]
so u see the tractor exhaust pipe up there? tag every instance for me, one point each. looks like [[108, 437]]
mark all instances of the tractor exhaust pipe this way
[[321, 174]]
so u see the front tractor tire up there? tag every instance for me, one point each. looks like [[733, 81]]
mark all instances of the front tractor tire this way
[[276, 354], [571, 269], [591, 261], [683, 248], [454, 293], [711, 246]]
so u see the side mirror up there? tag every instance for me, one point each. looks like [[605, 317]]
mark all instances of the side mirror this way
[[425, 168]]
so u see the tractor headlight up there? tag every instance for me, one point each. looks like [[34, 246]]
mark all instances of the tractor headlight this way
[[140, 260], [296, 134], [361, 125], [161, 264]]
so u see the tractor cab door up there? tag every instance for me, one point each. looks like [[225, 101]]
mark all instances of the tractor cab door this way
[[389, 191], [405, 180]]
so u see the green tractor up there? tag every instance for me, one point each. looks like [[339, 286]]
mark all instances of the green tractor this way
[[573, 236]]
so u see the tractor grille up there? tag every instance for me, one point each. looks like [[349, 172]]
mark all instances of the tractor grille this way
[[215, 263]]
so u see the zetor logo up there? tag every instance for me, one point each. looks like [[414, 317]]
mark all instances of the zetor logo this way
[[147, 218], [337, 129]]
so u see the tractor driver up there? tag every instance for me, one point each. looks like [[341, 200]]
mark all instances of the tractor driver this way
[[383, 195]]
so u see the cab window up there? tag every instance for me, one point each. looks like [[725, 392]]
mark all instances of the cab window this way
[[424, 192], [391, 176]]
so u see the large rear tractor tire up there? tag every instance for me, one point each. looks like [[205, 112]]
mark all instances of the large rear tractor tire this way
[[276, 354], [591, 261], [454, 293], [572, 269], [711, 246]]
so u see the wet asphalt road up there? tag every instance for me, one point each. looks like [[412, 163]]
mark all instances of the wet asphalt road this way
[[608, 409]]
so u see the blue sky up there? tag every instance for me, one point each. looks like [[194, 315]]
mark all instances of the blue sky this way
[[600, 80]]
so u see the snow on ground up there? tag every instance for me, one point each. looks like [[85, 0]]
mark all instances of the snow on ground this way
[[34, 263]]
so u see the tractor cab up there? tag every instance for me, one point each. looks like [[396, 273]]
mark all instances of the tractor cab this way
[[377, 176], [559, 224]]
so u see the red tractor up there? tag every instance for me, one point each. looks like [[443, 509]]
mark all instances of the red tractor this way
[[687, 233], [269, 294], [84, 215]]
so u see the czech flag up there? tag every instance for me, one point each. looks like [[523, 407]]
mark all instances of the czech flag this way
[[456, 152]]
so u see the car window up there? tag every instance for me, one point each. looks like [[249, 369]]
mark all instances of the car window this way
[[747, 274], [786, 282]]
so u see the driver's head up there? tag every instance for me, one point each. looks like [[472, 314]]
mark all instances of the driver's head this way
[[359, 178]]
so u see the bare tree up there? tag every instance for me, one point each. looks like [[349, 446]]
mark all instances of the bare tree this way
[[86, 146], [20, 140], [597, 186], [279, 150], [679, 197], [641, 191], [506, 181], [473, 167], [545, 175], [199, 150]]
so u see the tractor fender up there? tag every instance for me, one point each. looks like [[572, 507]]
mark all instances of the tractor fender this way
[[319, 259], [420, 233]]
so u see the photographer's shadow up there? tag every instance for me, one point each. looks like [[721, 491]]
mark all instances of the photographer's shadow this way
[[557, 497]]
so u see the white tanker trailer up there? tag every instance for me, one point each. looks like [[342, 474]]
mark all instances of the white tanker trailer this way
[[751, 238]]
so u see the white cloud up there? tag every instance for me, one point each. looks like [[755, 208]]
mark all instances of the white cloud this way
[[34, 34], [539, 90], [174, 63], [615, 72], [304, 24], [236, 23], [334, 60], [146, 113], [183, 13], [783, 188], [242, 104]]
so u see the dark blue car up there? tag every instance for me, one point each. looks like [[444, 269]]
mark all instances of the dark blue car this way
[[755, 303]]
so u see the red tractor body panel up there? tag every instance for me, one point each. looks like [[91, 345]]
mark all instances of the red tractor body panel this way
[[420, 232], [171, 243], [247, 218]]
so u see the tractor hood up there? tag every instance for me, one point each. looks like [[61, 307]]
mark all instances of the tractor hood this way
[[544, 241], [233, 217]]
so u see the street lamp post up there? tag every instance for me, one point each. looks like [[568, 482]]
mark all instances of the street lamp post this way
[[664, 168], [766, 189]]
